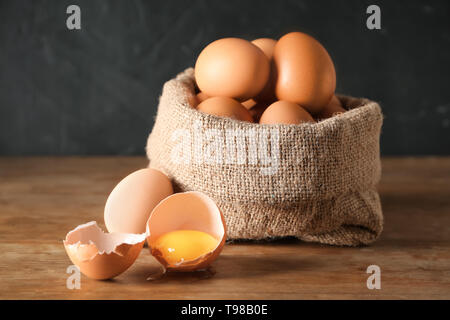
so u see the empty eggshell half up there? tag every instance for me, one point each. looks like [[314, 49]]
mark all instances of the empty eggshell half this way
[[187, 211], [101, 255]]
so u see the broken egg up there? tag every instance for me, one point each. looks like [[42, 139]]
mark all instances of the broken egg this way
[[181, 245], [186, 231], [101, 255]]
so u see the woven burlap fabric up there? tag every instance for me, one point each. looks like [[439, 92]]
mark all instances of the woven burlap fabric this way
[[316, 182]]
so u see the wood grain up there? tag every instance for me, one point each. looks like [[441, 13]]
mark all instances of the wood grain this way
[[42, 198]]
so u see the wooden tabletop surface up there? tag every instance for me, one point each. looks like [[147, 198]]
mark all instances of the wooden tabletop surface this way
[[42, 198]]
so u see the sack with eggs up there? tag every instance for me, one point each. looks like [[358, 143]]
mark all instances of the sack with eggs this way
[[315, 181]]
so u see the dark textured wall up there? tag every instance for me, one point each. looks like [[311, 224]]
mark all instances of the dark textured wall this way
[[95, 91]]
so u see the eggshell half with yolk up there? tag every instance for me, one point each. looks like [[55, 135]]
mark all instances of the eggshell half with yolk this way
[[187, 211]]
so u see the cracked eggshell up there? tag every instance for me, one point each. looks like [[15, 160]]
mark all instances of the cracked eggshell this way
[[101, 255], [190, 210]]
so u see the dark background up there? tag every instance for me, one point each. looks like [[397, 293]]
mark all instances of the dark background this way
[[95, 91]]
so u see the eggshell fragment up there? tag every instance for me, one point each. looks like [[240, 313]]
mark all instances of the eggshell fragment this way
[[305, 71], [285, 112], [130, 203], [231, 67], [187, 211], [333, 108], [102, 255], [225, 107]]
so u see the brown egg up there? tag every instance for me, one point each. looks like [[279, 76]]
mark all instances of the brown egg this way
[[225, 107], [267, 94], [194, 227], [306, 73], [231, 67], [333, 108], [266, 45], [130, 203], [201, 96], [102, 255], [285, 112]]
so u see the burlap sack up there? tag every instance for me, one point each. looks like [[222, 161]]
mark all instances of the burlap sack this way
[[316, 182]]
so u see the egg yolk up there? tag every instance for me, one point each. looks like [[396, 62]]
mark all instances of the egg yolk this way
[[184, 245]]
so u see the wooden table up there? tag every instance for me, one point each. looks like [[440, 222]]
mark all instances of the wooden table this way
[[42, 198]]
